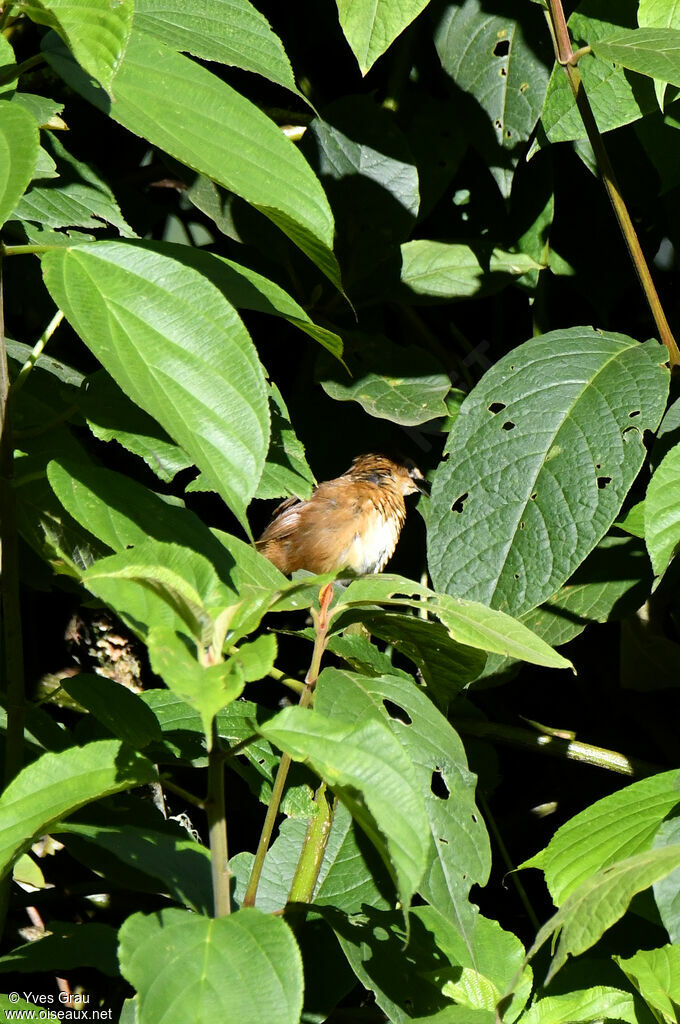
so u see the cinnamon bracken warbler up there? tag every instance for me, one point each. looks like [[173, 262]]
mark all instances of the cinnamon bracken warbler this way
[[352, 522]]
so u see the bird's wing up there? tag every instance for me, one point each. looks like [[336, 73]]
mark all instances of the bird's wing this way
[[285, 519]]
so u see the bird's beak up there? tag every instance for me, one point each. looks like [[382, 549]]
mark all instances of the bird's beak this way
[[422, 484]]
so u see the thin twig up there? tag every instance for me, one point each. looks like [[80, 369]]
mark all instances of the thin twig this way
[[37, 351], [566, 56]]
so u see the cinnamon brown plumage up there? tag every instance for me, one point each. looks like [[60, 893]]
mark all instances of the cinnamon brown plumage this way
[[352, 522]]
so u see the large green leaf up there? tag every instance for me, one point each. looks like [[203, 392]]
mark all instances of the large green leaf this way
[[458, 854], [614, 98], [214, 130], [667, 891], [19, 147], [241, 969], [177, 348], [368, 769], [490, 57], [651, 51], [412, 392], [600, 901], [58, 784], [539, 460], [229, 31], [96, 31], [467, 622], [453, 270], [371, 26], [662, 511], [618, 826]]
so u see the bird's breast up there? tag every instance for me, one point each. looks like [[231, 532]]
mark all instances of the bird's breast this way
[[374, 542]]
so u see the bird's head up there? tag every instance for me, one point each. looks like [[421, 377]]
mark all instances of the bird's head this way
[[381, 470]]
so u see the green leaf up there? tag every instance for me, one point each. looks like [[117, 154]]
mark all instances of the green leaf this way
[[246, 289], [467, 622], [650, 51], [286, 471], [351, 874], [67, 947], [111, 416], [490, 958], [599, 1003], [525, 444], [458, 854], [8, 63], [499, 64], [445, 665], [662, 512], [241, 969], [185, 581], [618, 826], [42, 108], [96, 31], [367, 768], [412, 392], [179, 865], [20, 1005], [371, 26], [122, 712], [614, 98], [122, 513], [19, 147], [177, 348], [58, 784], [601, 901], [375, 941], [655, 973], [201, 127], [77, 197], [232, 32], [453, 270], [206, 688]]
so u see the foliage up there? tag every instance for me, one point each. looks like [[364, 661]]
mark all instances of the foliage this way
[[273, 237]]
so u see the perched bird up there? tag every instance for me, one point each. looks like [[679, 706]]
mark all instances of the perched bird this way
[[352, 522]]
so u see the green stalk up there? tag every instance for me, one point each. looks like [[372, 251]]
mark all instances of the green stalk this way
[[569, 59], [313, 849], [321, 623], [217, 826], [553, 746], [36, 352]]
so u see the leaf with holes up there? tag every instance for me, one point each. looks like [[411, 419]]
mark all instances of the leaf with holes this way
[[458, 848], [492, 58], [539, 460], [177, 348], [173, 959], [662, 512]]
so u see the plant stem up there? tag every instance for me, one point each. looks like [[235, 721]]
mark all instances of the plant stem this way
[[321, 622], [23, 250], [313, 849], [217, 826], [12, 668], [16, 70], [37, 352], [553, 746], [568, 59]]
